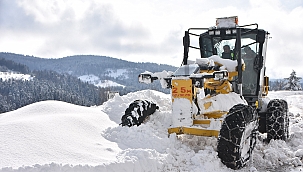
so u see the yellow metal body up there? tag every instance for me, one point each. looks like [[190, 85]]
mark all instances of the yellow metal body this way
[[215, 114], [221, 87], [199, 126], [193, 131], [183, 89], [265, 86]]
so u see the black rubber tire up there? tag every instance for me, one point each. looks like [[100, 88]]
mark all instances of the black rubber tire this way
[[238, 136], [277, 120], [137, 112]]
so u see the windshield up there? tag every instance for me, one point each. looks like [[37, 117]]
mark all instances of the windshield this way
[[186, 70], [225, 47]]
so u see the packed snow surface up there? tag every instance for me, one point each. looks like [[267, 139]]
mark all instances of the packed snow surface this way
[[58, 136]]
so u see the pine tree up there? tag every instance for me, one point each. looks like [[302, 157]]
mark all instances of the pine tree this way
[[293, 83]]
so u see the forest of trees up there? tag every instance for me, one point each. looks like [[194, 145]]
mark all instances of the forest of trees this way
[[11, 65], [46, 85]]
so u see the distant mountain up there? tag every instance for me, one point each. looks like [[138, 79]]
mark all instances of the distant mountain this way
[[107, 69]]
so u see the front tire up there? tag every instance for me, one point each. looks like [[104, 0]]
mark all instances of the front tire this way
[[137, 112], [237, 137]]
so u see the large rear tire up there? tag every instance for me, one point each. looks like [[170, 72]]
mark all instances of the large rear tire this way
[[237, 137], [137, 112], [277, 120]]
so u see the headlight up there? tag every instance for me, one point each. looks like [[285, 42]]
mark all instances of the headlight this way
[[220, 75]]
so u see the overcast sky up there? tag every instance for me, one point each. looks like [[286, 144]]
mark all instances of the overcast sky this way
[[144, 30]]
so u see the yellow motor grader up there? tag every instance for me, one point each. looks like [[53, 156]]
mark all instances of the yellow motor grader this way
[[222, 93]]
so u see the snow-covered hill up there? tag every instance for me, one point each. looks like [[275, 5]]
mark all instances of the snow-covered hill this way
[[57, 136]]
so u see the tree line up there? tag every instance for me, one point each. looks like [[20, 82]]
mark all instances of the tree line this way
[[292, 83]]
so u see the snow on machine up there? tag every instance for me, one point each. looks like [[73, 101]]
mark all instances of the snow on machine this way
[[223, 93]]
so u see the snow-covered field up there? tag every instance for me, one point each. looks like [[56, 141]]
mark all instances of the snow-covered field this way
[[117, 72], [95, 80], [57, 136], [13, 75]]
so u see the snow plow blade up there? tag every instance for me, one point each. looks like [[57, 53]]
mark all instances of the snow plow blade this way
[[193, 131]]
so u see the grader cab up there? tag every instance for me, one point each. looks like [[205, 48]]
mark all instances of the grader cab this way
[[222, 93]]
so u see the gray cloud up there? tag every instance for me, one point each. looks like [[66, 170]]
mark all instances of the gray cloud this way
[[14, 17], [103, 30], [98, 30]]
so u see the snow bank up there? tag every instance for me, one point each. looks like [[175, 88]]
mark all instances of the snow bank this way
[[116, 107], [53, 131], [220, 101]]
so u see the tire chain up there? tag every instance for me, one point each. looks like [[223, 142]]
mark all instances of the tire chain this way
[[135, 115], [233, 127], [277, 120]]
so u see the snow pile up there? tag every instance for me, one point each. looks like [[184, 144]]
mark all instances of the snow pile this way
[[181, 114], [227, 64], [220, 101], [116, 107], [53, 131], [57, 136]]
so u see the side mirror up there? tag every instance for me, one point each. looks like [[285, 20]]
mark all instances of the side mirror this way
[[186, 43]]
